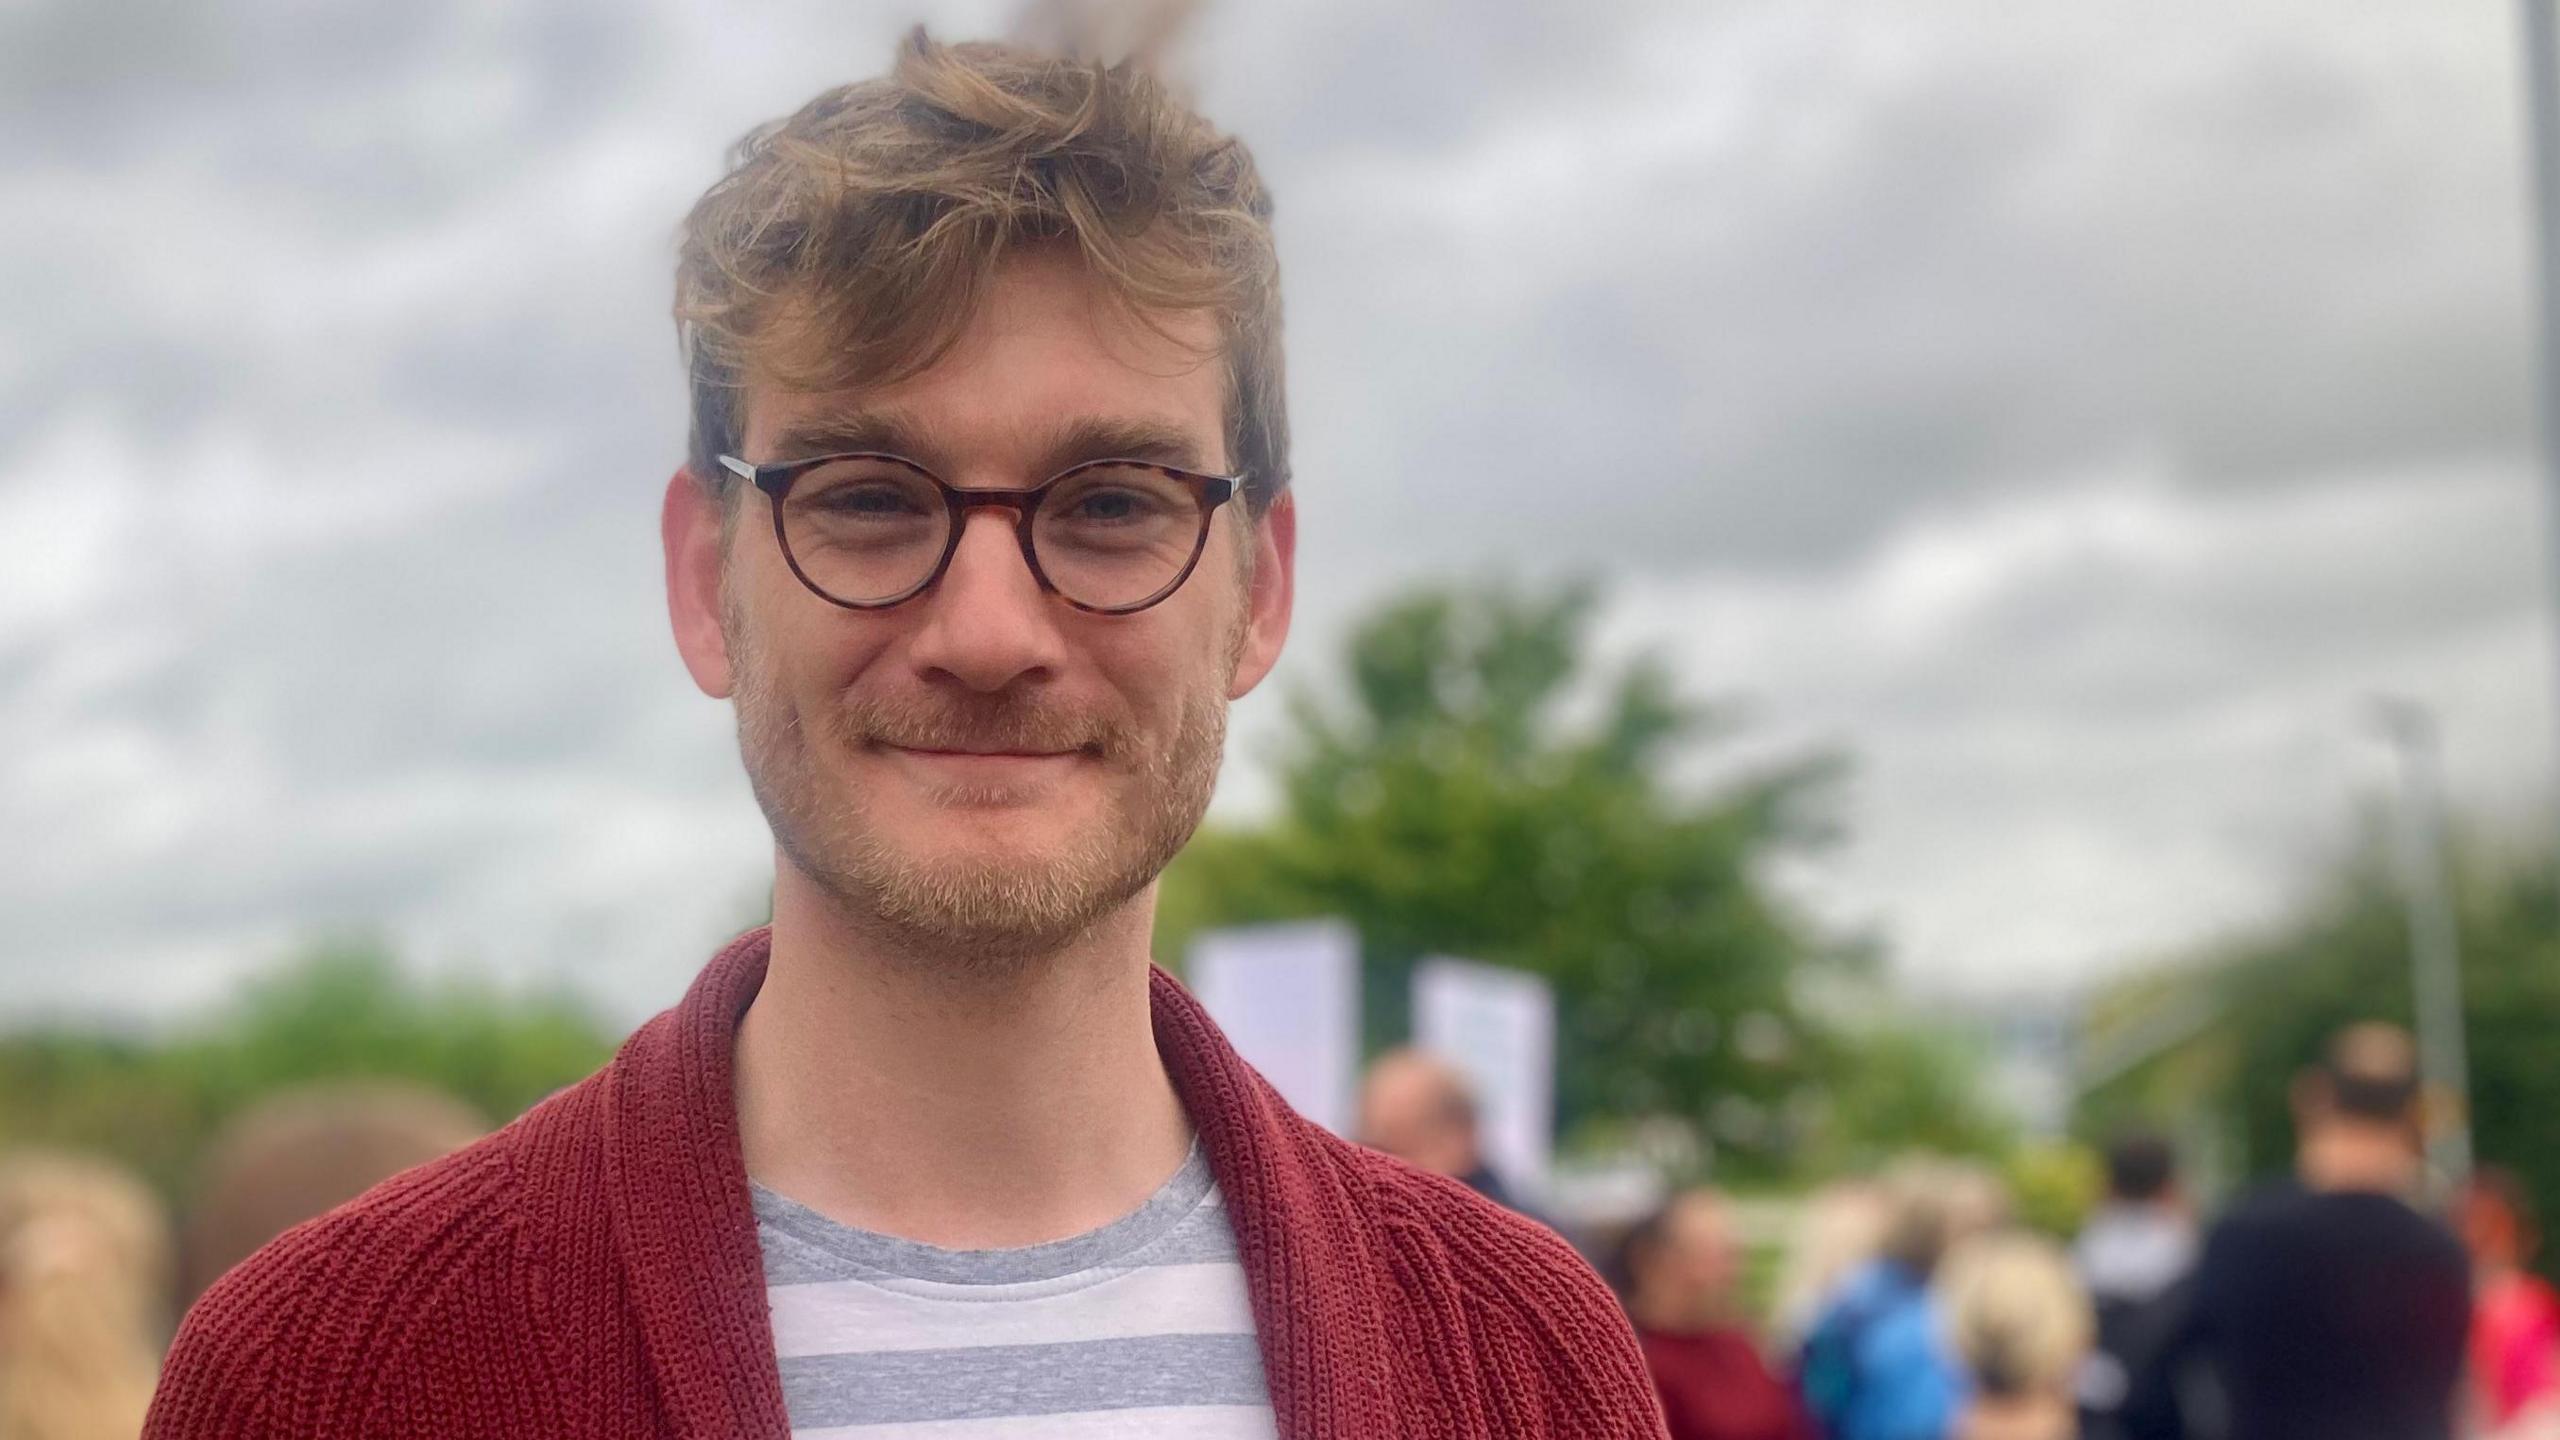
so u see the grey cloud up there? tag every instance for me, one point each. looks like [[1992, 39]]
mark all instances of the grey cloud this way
[[1901, 283]]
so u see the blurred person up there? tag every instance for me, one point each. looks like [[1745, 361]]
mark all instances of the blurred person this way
[[1976, 1199], [1420, 1109], [305, 1152], [1876, 1364], [84, 1298], [1838, 1231], [2023, 1326], [2324, 1306], [2515, 1316], [985, 521], [2131, 1254], [1678, 1267]]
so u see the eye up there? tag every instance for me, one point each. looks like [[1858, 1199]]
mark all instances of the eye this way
[[870, 498], [1106, 505]]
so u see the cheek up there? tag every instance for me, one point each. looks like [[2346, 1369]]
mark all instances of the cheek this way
[[1199, 633], [795, 644], [1163, 673]]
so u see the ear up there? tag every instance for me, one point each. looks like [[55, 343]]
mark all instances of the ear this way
[[1267, 600], [689, 526]]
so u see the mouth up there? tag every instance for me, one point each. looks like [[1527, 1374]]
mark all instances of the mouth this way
[[990, 776], [930, 752]]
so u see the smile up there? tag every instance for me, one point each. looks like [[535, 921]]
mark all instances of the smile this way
[[979, 768], [983, 754]]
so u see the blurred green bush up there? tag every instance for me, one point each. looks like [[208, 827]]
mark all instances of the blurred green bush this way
[[339, 1010]]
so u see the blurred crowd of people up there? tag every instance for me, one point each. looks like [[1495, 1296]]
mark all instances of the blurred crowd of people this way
[[93, 1271], [2359, 1298]]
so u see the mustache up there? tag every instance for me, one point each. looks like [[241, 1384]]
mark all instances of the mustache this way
[[1006, 721]]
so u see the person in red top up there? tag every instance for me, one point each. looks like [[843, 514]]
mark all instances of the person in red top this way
[[2515, 1317], [1676, 1271], [985, 521]]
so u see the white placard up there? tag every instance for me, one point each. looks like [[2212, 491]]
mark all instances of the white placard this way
[[1288, 998], [1498, 1026]]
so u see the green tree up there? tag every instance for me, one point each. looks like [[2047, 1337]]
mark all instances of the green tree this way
[[1886, 1089], [1484, 790]]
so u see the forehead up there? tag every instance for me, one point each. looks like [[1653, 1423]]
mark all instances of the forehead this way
[[1049, 354], [1698, 1219]]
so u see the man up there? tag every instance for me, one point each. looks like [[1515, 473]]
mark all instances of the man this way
[[2327, 1306], [986, 520], [2137, 1246], [1418, 1108], [1677, 1269]]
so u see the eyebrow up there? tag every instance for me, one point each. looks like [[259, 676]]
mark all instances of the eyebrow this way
[[845, 433], [1100, 438], [1088, 438]]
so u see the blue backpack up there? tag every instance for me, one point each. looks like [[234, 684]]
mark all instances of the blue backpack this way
[[1827, 1364]]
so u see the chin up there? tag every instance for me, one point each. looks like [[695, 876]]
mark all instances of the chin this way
[[991, 916], [991, 830], [989, 885]]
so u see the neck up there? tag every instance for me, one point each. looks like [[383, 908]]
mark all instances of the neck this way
[[2342, 1156], [959, 1107]]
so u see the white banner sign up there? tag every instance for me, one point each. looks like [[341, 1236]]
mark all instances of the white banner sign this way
[[1288, 997], [1499, 1027]]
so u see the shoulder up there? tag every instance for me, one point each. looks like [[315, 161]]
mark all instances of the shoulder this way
[[1485, 1251], [304, 1336], [2254, 1218], [1540, 1324]]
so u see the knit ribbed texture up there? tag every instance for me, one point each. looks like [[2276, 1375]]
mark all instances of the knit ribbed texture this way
[[592, 1271]]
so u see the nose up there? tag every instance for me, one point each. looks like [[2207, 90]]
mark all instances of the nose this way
[[988, 624]]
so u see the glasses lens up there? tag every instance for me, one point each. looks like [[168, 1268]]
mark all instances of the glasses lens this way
[[865, 531], [1114, 535]]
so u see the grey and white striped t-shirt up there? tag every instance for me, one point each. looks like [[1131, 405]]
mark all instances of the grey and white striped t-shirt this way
[[1140, 1329]]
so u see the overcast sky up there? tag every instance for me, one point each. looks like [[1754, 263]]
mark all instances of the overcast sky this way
[[2072, 413]]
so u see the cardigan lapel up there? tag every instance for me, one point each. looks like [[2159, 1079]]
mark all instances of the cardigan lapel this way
[[1316, 1286], [683, 1219]]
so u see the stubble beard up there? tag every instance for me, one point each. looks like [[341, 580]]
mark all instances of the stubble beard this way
[[984, 913]]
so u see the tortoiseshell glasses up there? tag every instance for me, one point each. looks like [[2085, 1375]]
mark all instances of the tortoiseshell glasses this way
[[867, 531]]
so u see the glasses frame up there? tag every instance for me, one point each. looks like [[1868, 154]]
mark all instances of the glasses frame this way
[[776, 479]]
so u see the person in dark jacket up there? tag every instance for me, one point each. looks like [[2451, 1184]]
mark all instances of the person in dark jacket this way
[[1419, 1108], [2136, 1247], [2325, 1306]]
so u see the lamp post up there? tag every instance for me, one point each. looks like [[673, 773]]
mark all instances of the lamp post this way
[[2435, 961], [2542, 99]]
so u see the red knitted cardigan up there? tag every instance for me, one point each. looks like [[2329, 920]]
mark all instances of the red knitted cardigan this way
[[592, 1271]]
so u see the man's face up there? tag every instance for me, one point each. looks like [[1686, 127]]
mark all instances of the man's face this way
[[984, 768], [1699, 1256], [1409, 1110]]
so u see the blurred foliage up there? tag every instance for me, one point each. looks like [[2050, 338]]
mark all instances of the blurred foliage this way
[[1484, 789], [1885, 1091], [340, 1010], [2264, 1005], [2054, 1186]]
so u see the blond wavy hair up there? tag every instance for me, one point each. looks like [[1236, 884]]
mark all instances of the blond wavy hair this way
[[850, 242], [2017, 1314], [84, 1286]]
